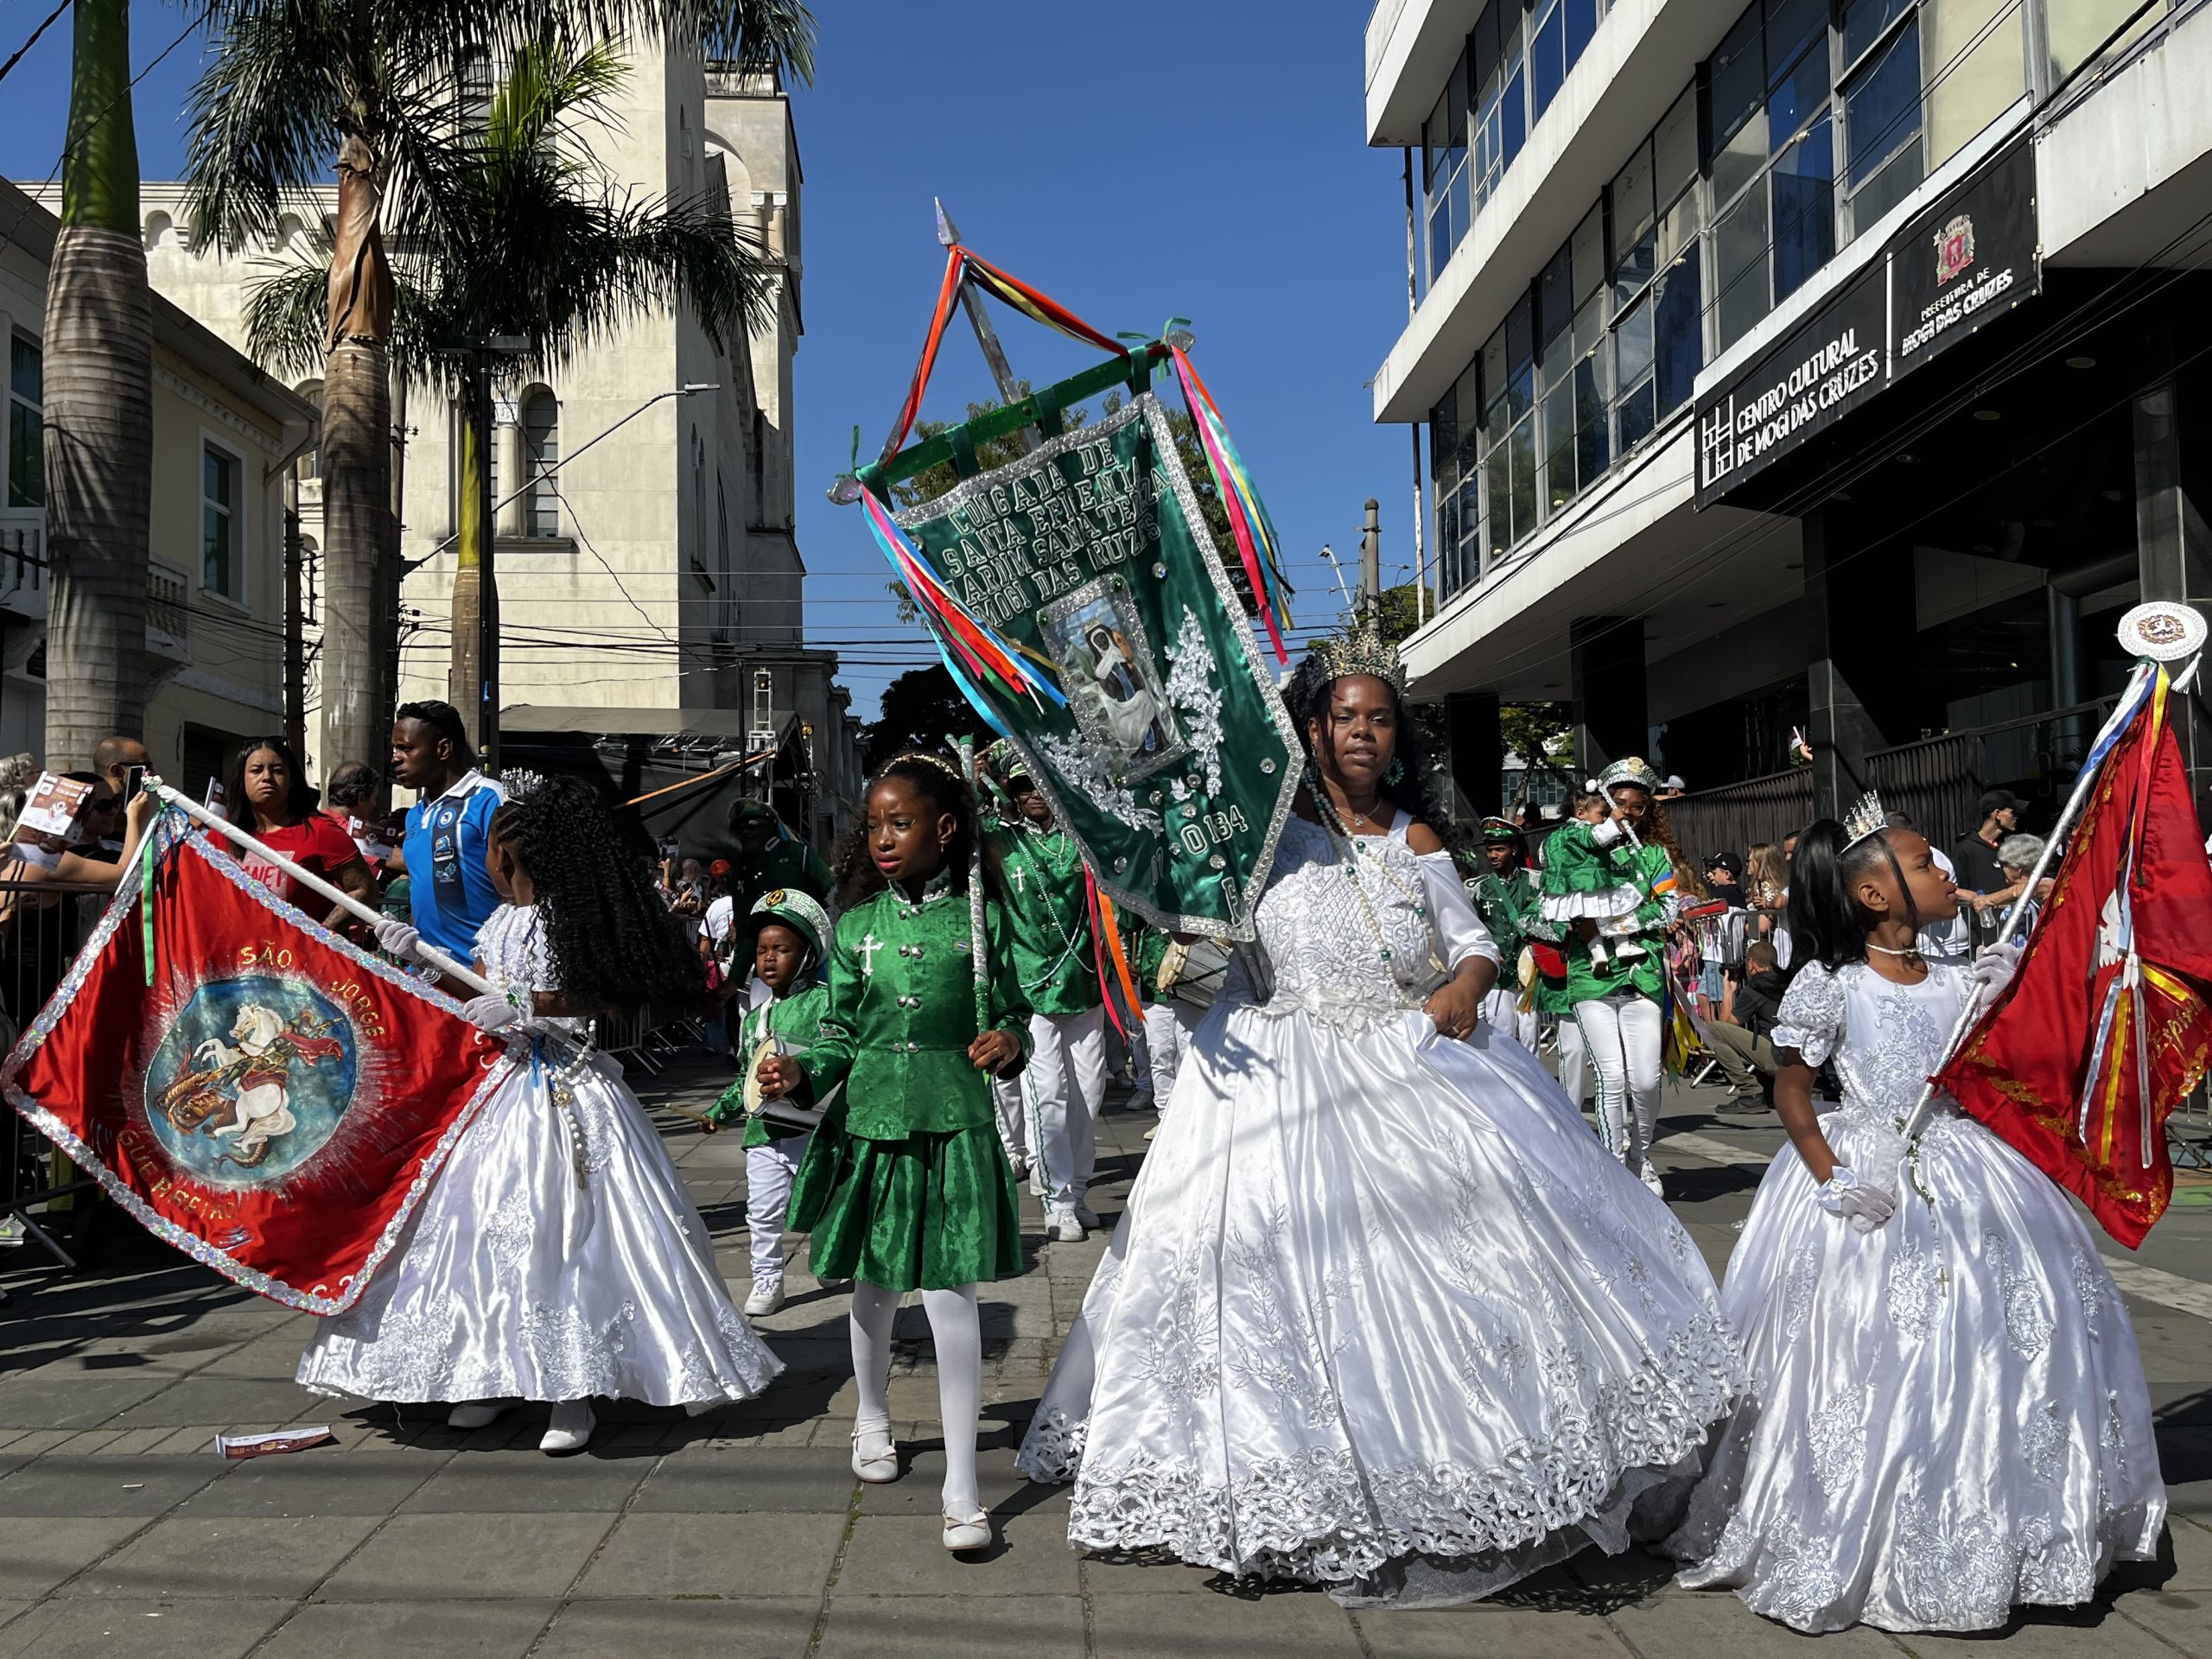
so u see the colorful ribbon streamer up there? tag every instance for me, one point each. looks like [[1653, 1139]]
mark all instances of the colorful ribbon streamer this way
[[1249, 522]]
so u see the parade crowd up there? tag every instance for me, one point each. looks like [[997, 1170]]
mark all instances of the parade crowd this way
[[1381, 1313]]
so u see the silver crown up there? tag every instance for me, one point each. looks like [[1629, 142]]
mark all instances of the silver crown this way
[[1865, 819], [1359, 650]]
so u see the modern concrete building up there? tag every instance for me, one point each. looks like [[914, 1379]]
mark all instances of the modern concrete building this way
[[225, 434], [1808, 367], [651, 583]]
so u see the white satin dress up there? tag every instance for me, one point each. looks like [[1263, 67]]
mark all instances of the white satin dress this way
[[1382, 1313], [1948, 1416], [514, 1281]]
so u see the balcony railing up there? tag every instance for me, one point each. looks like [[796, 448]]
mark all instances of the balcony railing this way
[[168, 612]]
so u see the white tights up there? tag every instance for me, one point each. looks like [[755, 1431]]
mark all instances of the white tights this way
[[958, 1335], [1621, 1038]]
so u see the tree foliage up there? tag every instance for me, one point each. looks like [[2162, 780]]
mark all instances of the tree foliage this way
[[922, 710]]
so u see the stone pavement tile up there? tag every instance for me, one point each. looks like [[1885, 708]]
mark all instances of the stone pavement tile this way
[[2180, 1620], [59, 1485], [797, 1480], [2192, 1547], [1475, 1631], [1285, 1625], [950, 1627], [470, 1555], [519, 1484], [2053, 1634], [905, 1556], [87, 1441], [135, 1442], [2182, 1404], [51, 1402], [713, 1555], [2185, 1459], [219, 1555], [1714, 1624], [1004, 1493], [778, 1627], [247, 1404], [37, 1553], [413, 1630], [1148, 1575], [141, 1630], [316, 1482]]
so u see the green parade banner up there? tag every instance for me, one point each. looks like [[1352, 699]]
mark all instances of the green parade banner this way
[[1172, 761]]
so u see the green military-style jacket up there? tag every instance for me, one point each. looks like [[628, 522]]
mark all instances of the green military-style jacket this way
[[1051, 918], [1582, 878], [1507, 903], [785, 862], [902, 1013], [796, 1018], [1145, 947]]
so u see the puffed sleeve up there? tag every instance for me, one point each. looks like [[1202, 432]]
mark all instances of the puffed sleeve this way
[[1009, 1005], [831, 1056], [1581, 878], [1810, 1019], [1458, 929]]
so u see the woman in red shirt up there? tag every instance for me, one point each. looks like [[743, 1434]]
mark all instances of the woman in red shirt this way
[[271, 799]]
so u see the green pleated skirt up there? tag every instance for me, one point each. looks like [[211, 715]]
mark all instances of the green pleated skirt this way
[[931, 1212]]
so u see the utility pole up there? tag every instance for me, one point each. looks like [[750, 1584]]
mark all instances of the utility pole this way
[[1371, 566]]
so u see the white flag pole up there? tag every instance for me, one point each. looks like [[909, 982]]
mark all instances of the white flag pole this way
[[308, 879]]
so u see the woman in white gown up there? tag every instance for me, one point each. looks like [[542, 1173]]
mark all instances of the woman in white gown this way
[[1381, 1314], [1947, 1416], [558, 1256]]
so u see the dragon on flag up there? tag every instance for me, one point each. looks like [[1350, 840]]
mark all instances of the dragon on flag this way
[[2107, 1021]]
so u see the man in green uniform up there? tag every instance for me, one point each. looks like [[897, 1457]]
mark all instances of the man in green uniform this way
[[1064, 1083], [771, 857], [1507, 899]]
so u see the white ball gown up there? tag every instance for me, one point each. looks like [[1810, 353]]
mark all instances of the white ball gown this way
[[515, 1281], [1382, 1313], [1948, 1416]]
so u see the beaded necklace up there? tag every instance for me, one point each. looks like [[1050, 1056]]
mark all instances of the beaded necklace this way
[[1332, 821]]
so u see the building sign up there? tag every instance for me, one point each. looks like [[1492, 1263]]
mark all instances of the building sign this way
[[1970, 258]]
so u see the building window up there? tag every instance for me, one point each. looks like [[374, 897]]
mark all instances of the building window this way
[[1497, 78], [1881, 109], [1444, 172], [219, 522], [310, 465], [26, 424], [472, 88], [541, 459]]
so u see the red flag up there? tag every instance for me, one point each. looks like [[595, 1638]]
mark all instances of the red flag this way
[[2107, 1025], [273, 1101]]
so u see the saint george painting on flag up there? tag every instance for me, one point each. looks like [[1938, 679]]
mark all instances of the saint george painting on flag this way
[[249, 1086]]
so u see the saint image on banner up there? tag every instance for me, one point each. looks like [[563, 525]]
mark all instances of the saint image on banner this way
[[1112, 686], [252, 1078]]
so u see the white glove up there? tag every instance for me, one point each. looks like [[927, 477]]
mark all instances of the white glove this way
[[396, 938], [1992, 971], [1865, 1206], [490, 1012]]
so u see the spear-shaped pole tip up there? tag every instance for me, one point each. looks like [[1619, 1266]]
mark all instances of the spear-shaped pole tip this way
[[947, 233]]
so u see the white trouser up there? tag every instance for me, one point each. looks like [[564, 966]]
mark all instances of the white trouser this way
[[1013, 1120], [1063, 1085], [1167, 1028], [1572, 1069], [1622, 1035], [769, 1172], [1503, 1014]]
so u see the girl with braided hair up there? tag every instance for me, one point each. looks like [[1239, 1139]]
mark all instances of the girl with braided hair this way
[[1380, 1313], [558, 1258]]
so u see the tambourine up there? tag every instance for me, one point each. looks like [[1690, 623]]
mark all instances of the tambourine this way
[[755, 1103]]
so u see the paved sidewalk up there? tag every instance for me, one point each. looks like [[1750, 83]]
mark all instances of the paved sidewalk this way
[[743, 1536]]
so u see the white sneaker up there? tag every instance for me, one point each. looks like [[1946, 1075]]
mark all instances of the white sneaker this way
[[1062, 1224], [767, 1297], [476, 1414], [1090, 1222], [570, 1429], [1651, 1180], [877, 1466], [974, 1533]]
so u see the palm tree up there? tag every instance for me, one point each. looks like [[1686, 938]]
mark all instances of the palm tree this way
[[99, 348], [296, 85], [509, 229]]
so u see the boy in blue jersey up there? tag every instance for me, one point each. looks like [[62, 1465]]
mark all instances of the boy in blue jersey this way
[[447, 827]]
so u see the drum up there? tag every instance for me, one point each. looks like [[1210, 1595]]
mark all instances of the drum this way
[[1193, 973]]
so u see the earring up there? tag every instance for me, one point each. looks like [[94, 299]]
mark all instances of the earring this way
[[1395, 772]]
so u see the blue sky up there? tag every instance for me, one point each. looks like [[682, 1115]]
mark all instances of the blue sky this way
[[1135, 163]]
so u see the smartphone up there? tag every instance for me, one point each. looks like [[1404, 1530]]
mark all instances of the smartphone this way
[[134, 781]]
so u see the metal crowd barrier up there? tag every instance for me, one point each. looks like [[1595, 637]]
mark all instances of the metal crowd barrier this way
[[45, 925]]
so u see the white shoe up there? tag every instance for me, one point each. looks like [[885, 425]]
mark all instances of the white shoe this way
[[974, 1533], [1090, 1222], [875, 1467], [1651, 1179], [570, 1429], [767, 1297], [476, 1414], [1062, 1225], [1154, 1130]]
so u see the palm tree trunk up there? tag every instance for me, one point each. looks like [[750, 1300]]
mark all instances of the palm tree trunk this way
[[360, 619], [99, 410], [465, 682]]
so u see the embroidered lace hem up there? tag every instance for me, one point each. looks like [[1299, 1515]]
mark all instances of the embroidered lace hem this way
[[1325, 1516]]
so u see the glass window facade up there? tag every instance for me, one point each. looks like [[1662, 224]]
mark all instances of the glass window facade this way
[[26, 422], [219, 522], [1809, 122], [541, 459]]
